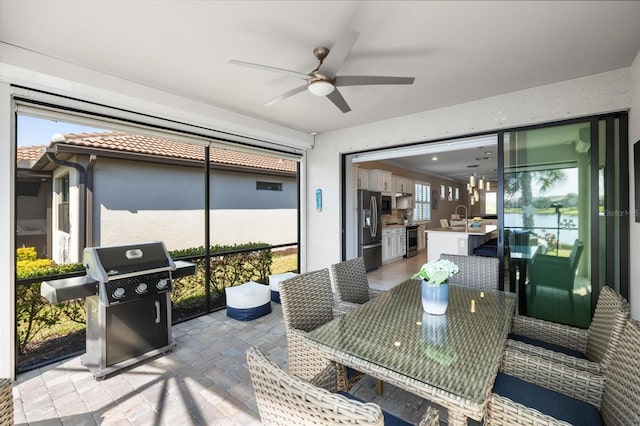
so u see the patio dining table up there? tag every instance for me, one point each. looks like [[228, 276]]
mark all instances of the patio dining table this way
[[450, 359]]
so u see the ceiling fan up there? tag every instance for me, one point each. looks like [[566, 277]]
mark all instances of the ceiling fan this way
[[323, 81]]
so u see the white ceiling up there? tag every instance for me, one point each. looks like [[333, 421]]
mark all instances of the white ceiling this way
[[457, 51]]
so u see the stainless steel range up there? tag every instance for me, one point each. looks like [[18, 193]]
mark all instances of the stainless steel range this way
[[127, 295]]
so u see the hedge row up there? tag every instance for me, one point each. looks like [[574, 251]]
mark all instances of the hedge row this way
[[38, 320]]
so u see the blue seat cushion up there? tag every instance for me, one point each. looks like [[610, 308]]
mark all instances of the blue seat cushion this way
[[491, 242], [389, 419], [547, 345], [248, 314], [486, 250], [554, 404]]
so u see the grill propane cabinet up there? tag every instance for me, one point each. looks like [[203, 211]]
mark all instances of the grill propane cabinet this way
[[127, 296]]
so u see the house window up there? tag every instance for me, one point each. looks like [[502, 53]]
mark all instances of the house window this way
[[422, 197], [456, 195], [63, 204], [490, 203], [268, 186]]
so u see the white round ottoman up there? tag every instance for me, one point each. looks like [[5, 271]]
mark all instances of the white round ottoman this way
[[248, 301], [274, 284]]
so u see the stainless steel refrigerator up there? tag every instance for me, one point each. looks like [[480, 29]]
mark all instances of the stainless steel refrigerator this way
[[370, 228]]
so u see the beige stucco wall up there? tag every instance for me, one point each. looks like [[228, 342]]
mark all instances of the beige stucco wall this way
[[136, 201]]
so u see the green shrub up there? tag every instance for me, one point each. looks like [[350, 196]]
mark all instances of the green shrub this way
[[33, 313], [227, 269]]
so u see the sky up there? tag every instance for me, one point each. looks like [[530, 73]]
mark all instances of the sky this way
[[37, 131]]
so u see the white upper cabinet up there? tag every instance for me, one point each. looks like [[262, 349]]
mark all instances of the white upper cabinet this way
[[363, 178], [404, 185], [380, 180]]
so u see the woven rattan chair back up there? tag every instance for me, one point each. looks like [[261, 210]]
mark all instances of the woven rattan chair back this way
[[286, 400], [307, 301], [475, 271], [621, 396], [609, 320], [350, 281], [6, 402]]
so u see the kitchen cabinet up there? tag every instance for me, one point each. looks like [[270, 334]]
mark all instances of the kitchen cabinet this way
[[447, 240], [362, 178], [380, 180], [394, 244], [388, 245], [403, 185]]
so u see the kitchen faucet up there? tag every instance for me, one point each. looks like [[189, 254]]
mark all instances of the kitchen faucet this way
[[466, 215]]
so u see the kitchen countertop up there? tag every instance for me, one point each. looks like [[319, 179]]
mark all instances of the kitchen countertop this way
[[481, 230], [394, 225]]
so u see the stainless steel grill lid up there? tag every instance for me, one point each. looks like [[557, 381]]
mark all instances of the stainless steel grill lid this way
[[105, 263]]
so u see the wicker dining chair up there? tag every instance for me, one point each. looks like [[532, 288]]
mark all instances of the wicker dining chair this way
[[307, 303], [6, 402], [535, 391], [475, 271], [589, 349], [351, 284], [286, 400]]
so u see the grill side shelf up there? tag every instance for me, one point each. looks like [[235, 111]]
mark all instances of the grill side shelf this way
[[183, 269], [58, 291]]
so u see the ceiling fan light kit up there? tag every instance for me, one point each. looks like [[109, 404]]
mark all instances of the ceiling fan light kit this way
[[325, 84], [321, 86]]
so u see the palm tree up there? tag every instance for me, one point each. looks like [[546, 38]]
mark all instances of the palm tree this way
[[522, 182]]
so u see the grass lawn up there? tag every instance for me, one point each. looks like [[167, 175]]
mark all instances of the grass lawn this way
[[284, 263]]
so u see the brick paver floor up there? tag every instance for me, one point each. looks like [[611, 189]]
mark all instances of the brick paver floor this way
[[203, 381]]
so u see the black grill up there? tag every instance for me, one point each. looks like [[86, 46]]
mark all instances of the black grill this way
[[129, 316]]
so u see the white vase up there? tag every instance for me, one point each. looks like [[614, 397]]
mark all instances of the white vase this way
[[435, 297]]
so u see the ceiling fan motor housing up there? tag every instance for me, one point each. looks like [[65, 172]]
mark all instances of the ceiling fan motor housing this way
[[320, 53]]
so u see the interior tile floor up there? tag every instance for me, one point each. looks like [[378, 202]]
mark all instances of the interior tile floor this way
[[203, 381], [395, 272]]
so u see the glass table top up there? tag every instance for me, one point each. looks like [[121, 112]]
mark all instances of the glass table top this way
[[457, 352]]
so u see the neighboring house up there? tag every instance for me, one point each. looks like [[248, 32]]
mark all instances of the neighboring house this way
[[142, 188]]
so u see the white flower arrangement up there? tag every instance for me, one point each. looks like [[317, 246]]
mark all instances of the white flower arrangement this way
[[437, 271]]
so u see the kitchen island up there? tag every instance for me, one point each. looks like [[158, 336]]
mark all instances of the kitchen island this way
[[457, 239]]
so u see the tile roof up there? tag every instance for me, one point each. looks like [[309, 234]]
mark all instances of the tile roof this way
[[141, 144], [30, 153]]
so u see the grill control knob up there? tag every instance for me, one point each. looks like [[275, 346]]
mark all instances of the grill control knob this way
[[141, 288], [162, 284], [118, 293]]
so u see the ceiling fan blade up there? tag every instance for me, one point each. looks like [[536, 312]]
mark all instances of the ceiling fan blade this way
[[363, 80], [338, 100], [338, 53], [286, 95], [273, 69]]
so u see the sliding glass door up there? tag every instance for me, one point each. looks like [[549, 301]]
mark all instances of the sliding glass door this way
[[563, 211]]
